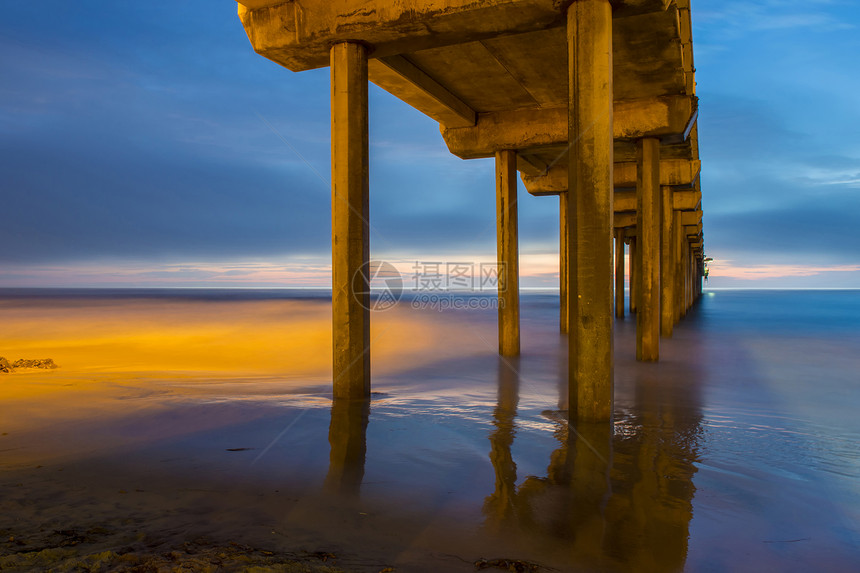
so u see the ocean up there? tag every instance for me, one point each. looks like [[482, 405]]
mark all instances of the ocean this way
[[206, 413]]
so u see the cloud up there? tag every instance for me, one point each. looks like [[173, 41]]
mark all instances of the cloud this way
[[139, 135], [725, 269]]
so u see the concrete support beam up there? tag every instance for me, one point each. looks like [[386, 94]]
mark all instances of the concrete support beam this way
[[554, 180], [563, 261], [590, 120], [350, 236], [667, 265], [625, 200], [535, 128], [674, 172], [691, 218], [624, 219], [507, 251], [648, 226], [401, 78], [619, 273], [299, 39], [687, 200]]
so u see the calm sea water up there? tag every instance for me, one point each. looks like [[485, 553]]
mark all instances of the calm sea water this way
[[738, 451]]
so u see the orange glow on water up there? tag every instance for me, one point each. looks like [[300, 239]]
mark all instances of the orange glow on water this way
[[247, 338], [109, 350]]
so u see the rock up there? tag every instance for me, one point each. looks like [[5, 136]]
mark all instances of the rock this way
[[45, 363], [5, 367]]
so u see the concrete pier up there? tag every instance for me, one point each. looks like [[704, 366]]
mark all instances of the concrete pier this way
[[507, 251], [590, 158], [349, 208], [591, 100]]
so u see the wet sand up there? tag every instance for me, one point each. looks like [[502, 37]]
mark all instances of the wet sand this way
[[201, 429]]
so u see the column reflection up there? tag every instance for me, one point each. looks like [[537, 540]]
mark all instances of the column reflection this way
[[347, 436], [499, 507], [615, 496]]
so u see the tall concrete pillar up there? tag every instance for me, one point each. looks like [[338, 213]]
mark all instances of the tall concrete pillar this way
[[349, 208], [507, 252], [667, 265], [686, 265], [691, 262], [679, 267], [632, 257], [590, 370], [648, 200], [563, 257], [619, 273]]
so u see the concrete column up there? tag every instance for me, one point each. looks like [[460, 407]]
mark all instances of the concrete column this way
[[679, 268], [632, 257], [685, 294], [667, 265], [648, 199], [563, 282], [349, 208], [619, 273], [507, 253], [690, 265], [590, 370]]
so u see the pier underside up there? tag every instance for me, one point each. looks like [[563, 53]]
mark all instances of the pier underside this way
[[591, 100]]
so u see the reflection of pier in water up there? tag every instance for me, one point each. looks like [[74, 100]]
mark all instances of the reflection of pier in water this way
[[612, 498]]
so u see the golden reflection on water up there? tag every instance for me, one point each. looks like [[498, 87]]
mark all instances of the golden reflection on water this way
[[110, 350], [613, 498], [285, 337]]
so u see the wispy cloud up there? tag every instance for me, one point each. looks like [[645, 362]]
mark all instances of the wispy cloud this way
[[726, 269]]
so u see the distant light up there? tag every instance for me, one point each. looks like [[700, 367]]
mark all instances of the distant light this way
[[711, 293]]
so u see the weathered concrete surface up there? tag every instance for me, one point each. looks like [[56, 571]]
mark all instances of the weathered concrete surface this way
[[400, 77], [591, 369], [507, 252], [507, 42], [535, 128], [349, 208], [674, 172]]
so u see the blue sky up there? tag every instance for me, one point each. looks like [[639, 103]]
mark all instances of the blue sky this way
[[146, 144]]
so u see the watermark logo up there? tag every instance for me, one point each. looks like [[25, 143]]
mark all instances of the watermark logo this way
[[436, 285], [377, 285]]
